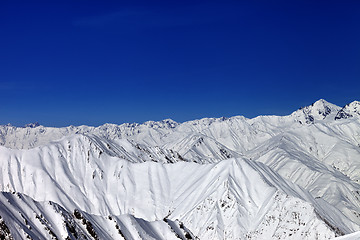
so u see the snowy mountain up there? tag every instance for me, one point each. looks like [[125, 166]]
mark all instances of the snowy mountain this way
[[317, 111], [270, 177], [350, 110]]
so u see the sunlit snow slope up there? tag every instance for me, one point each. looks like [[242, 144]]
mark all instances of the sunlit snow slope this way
[[270, 177]]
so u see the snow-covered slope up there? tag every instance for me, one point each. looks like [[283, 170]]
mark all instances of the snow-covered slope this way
[[213, 201], [24, 218], [270, 177]]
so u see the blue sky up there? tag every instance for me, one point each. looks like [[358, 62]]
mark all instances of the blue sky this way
[[92, 62]]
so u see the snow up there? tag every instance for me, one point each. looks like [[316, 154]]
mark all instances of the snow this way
[[270, 177]]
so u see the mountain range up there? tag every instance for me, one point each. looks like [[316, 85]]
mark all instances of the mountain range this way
[[269, 177]]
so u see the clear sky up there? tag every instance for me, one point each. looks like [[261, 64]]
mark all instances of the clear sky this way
[[93, 62]]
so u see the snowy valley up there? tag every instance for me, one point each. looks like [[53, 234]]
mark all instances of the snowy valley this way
[[270, 177]]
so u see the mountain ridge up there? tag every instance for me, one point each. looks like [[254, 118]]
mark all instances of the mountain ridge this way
[[171, 123], [238, 178], [306, 115]]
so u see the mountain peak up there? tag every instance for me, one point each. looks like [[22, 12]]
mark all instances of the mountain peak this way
[[321, 101], [349, 110], [166, 123], [354, 104], [32, 125], [318, 110]]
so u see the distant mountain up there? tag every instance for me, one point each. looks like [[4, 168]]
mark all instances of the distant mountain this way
[[270, 177], [317, 111], [32, 125]]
